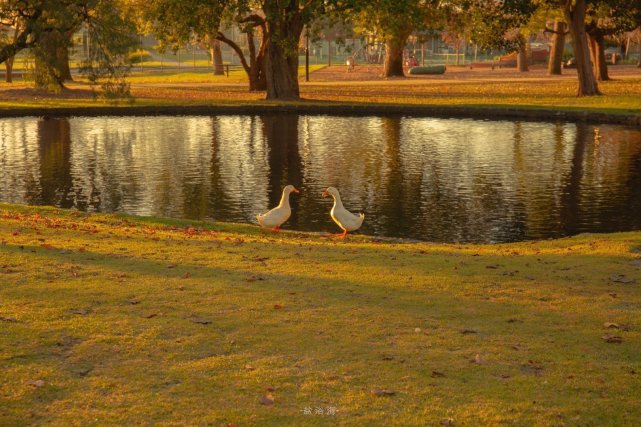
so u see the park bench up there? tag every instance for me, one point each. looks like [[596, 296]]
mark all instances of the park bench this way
[[229, 67]]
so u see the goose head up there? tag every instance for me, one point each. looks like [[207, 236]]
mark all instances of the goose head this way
[[290, 189], [331, 191]]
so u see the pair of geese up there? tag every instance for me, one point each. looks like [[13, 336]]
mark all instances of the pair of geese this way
[[341, 216]]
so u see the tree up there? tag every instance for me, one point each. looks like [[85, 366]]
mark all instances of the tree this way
[[607, 18], [392, 22], [501, 25], [6, 39], [46, 26], [558, 45]]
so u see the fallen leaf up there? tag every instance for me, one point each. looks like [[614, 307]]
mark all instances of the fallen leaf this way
[[621, 278], [150, 315], [447, 422], [172, 266], [382, 392], [267, 400], [437, 374], [493, 266], [532, 367], [80, 311], [277, 306], [133, 301], [612, 338], [250, 368], [609, 325], [200, 321], [8, 319], [469, 331], [186, 275], [417, 330], [270, 388], [36, 383], [478, 360]]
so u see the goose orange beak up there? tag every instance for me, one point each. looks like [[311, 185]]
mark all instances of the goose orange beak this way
[[296, 191], [325, 193]]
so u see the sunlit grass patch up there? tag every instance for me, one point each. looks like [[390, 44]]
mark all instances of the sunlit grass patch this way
[[143, 320]]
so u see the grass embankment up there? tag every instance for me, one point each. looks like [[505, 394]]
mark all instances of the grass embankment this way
[[484, 90], [111, 319]]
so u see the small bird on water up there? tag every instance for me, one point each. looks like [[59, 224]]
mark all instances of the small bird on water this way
[[281, 213], [341, 216]]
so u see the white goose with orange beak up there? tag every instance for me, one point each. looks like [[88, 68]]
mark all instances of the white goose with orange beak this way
[[281, 213], [341, 216]]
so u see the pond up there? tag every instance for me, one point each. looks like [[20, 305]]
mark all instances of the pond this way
[[448, 180]]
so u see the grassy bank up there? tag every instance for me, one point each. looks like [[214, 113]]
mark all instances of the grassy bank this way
[[486, 91], [109, 319]]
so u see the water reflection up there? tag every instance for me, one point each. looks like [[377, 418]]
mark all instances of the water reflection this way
[[433, 179]]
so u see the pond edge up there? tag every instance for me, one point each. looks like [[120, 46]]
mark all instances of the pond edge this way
[[484, 113]]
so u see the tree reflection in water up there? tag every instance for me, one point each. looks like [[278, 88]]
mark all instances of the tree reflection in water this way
[[433, 179]]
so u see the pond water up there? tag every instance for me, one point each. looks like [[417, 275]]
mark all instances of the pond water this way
[[451, 180]]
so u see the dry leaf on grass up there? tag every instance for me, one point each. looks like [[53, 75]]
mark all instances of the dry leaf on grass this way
[[612, 338], [267, 400], [621, 278], [382, 392]]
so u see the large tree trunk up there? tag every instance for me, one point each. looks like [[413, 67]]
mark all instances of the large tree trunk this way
[[393, 66], [217, 57], [639, 49], [521, 57], [575, 16], [63, 60], [52, 61], [8, 65], [284, 28], [601, 66], [257, 81], [597, 51], [558, 44]]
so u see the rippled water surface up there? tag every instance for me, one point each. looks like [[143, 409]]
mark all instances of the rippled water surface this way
[[453, 180]]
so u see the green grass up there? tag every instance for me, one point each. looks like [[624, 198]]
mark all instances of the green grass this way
[[108, 311], [621, 96]]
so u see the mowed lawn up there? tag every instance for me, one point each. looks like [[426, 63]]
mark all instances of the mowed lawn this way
[[482, 89], [108, 319]]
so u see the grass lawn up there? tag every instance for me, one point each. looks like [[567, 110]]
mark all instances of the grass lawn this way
[[334, 86], [108, 319]]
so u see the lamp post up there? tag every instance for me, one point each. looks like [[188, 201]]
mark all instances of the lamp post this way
[[306, 54]]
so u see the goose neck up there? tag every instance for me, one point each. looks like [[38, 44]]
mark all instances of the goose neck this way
[[284, 199]]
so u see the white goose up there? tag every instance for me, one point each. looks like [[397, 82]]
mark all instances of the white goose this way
[[341, 216], [277, 216]]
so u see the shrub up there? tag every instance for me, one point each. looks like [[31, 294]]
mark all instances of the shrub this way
[[432, 69]]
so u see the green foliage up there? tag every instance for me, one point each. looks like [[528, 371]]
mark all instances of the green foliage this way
[[112, 40], [496, 24], [139, 55], [391, 20]]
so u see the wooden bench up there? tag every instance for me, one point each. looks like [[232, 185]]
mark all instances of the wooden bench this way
[[229, 67]]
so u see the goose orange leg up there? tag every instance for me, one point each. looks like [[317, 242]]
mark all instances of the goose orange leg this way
[[276, 229]]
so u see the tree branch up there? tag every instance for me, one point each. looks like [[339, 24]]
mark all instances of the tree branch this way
[[236, 48], [561, 33]]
